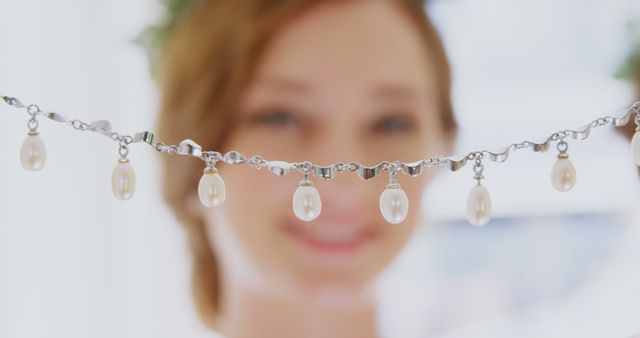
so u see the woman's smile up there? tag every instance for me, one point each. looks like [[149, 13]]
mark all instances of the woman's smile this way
[[331, 238]]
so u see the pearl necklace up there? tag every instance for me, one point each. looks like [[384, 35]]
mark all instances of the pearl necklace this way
[[307, 203]]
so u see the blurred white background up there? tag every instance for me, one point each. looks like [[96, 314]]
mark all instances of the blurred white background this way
[[75, 262]]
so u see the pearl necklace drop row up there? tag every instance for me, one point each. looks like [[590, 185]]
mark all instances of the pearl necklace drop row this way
[[306, 200]]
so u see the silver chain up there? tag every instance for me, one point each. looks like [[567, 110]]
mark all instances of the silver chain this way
[[189, 148]]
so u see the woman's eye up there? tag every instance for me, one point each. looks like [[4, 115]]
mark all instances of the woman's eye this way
[[277, 118], [394, 125]]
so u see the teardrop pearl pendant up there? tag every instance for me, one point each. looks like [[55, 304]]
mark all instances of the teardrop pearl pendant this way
[[211, 189], [563, 173], [394, 204], [307, 204], [123, 180], [479, 200], [479, 206], [635, 147], [33, 153]]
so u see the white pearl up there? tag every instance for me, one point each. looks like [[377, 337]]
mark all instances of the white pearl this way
[[479, 206], [394, 205], [635, 147], [307, 203], [33, 154], [123, 180], [563, 174], [211, 189]]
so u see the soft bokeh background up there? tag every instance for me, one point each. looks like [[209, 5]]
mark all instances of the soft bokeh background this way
[[75, 262]]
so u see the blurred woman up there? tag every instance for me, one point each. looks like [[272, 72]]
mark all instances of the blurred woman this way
[[324, 81]]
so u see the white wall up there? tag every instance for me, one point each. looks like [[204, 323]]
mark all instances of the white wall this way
[[75, 262]]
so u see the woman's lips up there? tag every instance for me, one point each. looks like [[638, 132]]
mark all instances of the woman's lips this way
[[331, 238]]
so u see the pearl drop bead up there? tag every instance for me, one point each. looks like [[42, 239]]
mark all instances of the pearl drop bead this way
[[33, 154], [394, 204], [563, 174], [306, 202], [479, 206], [211, 189], [635, 147], [123, 180]]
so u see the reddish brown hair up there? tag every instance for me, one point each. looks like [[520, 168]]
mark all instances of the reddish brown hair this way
[[205, 64]]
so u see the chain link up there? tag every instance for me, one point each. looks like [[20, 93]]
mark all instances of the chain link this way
[[257, 162], [79, 125]]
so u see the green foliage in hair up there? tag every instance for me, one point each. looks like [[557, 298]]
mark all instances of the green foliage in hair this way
[[630, 69], [153, 37]]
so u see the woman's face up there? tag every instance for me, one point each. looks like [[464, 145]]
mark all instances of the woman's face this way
[[344, 81]]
